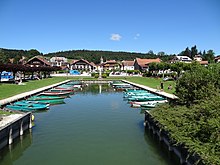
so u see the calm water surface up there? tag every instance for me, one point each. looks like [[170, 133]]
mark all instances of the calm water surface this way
[[90, 128]]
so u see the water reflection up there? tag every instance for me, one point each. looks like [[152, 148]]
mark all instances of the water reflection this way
[[159, 147], [94, 127], [14, 151], [96, 89]]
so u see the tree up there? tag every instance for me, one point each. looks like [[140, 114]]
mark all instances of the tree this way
[[194, 52], [163, 66], [186, 52], [150, 52], [197, 83], [209, 56], [161, 53], [33, 52], [3, 58]]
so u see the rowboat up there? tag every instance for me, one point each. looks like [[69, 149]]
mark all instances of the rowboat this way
[[47, 99], [147, 94], [28, 102], [74, 83], [145, 98], [30, 107], [149, 105], [51, 93], [58, 89], [138, 104]]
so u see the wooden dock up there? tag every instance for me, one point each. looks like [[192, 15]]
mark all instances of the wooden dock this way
[[27, 94], [14, 129], [152, 90]]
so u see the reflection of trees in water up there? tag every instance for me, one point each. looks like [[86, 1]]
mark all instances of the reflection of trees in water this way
[[95, 89], [14, 151], [159, 147]]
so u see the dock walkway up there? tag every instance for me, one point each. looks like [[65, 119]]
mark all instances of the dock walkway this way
[[29, 93], [161, 93]]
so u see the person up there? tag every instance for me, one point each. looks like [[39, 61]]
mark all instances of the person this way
[[161, 85], [170, 87]]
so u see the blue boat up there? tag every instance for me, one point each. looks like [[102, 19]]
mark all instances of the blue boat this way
[[30, 107], [27, 102]]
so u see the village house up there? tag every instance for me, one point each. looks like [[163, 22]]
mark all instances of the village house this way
[[217, 59], [110, 65], [143, 64], [37, 61], [60, 62], [199, 59], [82, 65], [127, 65], [184, 59]]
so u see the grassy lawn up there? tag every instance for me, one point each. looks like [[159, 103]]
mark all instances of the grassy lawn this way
[[8, 90], [153, 83]]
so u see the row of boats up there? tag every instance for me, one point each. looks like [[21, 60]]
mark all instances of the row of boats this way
[[137, 97], [43, 100], [142, 98]]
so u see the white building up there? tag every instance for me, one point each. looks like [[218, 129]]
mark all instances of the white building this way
[[198, 58], [127, 65], [58, 61], [184, 59]]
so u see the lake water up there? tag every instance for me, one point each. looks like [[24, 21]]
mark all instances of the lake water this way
[[94, 127]]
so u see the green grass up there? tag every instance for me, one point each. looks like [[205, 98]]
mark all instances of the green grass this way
[[153, 83], [8, 90]]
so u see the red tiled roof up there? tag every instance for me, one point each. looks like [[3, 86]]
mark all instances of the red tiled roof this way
[[144, 62], [128, 63], [74, 61], [203, 62], [39, 58], [90, 63]]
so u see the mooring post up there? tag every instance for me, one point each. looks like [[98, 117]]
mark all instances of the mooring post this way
[[30, 121], [10, 138], [170, 147], [21, 128]]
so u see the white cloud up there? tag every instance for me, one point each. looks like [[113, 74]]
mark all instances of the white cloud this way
[[115, 37], [136, 36]]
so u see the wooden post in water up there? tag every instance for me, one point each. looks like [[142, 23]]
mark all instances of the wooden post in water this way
[[21, 128], [10, 138], [30, 122]]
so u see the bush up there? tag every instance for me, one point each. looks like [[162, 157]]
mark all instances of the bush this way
[[93, 74], [96, 75], [104, 75], [147, 74]]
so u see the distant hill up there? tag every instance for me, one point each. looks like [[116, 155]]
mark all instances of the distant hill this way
[[94, 56], [90, 55]]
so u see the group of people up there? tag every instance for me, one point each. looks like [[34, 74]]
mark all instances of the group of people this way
[[162, 86]]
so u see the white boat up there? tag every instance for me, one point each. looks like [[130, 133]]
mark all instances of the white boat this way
[[138, 104]]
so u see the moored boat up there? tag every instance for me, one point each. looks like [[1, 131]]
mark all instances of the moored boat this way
[[28, 102], [54, 93], [29, 107], [138, 104], [47, 99], [149, 105], [145, 98], [58, 89]]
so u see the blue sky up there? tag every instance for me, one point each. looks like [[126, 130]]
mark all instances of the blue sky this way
[[114, 25]]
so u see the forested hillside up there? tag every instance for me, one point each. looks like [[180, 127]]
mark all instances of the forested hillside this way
[[95, 56], [92, 56]]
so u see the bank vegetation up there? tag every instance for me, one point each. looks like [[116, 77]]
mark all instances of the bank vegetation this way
[[193, 121]]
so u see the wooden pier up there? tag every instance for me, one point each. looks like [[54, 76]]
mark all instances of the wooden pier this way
[[15, 129], [152, 90], [27, 94]]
